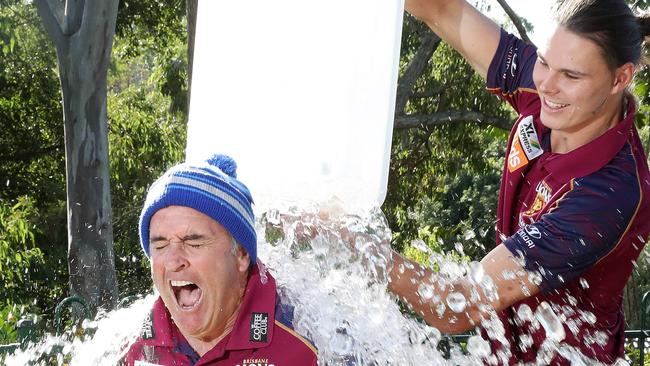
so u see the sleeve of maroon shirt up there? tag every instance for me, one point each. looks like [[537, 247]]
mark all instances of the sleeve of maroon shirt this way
[[510, 75], [586, 225]]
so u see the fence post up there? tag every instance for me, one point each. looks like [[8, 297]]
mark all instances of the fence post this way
[[26, 332], [642, 336]]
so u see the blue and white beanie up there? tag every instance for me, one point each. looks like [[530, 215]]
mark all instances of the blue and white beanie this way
[[210, 187]]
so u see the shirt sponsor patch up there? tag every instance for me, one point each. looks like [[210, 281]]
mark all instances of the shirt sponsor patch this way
[[147, 327], [528, 233], [528, 138], [259, 329], [516, 156]]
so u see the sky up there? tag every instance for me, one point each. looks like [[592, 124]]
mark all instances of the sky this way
[[538, 12]]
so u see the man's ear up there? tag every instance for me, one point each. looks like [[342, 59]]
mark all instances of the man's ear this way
[[623, 76], [243, 259]]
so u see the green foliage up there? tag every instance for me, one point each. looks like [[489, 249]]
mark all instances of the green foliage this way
[[443, 180], [145, 140], [147, 133], [10, 315], [157, 30], [31, 122], [17, 248]]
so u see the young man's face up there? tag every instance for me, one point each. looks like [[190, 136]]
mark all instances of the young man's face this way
[[575, 84], [198, 274]]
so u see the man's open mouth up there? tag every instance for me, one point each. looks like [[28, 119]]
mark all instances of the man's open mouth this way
[[187, 294]]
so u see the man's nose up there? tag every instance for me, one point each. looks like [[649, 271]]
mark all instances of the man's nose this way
[[549, 83], [175, 258]]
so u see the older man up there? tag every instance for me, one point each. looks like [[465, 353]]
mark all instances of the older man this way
[[217, 305]]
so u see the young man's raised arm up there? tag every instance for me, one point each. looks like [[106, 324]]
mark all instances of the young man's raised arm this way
[[459, 24]]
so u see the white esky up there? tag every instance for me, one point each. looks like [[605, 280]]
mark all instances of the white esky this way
[[538, 12]]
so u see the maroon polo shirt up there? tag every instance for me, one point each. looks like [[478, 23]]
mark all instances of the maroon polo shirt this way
[[262, 335], [579, 220]]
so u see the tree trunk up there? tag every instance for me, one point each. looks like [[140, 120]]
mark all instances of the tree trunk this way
[[83, 34]]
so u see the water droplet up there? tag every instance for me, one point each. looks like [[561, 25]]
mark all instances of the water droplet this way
[[263, 273], [419, 244], [573, 326], [459, 248], [524, 313], [451, 269], [489, 289], [433, 335], [535, 278], [525, 341], [601, 338], [425, 291], [476, 271], [469, 235], [551, 323], [478, 346], [440, 309], [568, 311], [456, 302], [273, 217], [584, 283], [508, 275], [620, 362], [589, 317]]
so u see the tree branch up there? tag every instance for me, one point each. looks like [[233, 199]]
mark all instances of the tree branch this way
[[429, 43], [515, 20], [51, 13], [430, 93], [416, 121]]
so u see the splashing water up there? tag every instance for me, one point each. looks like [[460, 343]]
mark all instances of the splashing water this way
[[109, 336], [456, 302], [334, 270], [550, 321]]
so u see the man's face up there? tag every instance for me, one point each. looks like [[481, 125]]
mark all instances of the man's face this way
[[574, 84], [199, 276]]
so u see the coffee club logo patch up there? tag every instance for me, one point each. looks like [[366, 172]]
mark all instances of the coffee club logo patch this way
[[259, 329]]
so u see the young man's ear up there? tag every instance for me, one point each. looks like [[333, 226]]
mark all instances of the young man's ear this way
[[623, 76]]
